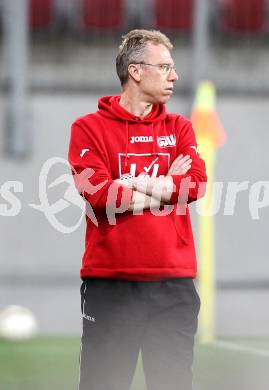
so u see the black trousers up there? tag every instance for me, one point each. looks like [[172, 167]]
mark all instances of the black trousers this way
[[120, 318]]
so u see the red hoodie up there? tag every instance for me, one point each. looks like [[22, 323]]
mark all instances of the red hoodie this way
[[112, 142]]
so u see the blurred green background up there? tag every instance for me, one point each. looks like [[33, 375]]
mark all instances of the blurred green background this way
[[52, 363]]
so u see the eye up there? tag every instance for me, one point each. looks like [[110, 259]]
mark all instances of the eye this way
[[165, 67]]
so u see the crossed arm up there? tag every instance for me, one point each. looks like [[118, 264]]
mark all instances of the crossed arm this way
[[151, 192], [93, 179]]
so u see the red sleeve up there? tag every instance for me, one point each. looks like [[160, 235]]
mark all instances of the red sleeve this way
[[195, 179], [91, 172]]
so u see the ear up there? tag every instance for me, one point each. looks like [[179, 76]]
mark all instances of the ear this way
[[135, 71]]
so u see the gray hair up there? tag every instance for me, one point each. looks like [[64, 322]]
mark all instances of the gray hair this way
[[133, 48]]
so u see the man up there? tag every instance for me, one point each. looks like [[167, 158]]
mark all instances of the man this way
[[138, 168]]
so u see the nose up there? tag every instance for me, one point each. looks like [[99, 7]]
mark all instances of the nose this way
[[173, 76]]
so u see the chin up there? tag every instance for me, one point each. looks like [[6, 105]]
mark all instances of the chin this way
[[161, 99], [165, 99]]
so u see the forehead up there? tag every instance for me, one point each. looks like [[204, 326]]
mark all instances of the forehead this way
[[158, 53]]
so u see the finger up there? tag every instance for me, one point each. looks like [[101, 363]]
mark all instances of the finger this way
[[180, 157], [176, 162], [187, 168], [183, 159], [179, 163], [185, 163], [189, 162]]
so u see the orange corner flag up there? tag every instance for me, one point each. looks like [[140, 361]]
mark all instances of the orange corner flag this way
[[206, 123]]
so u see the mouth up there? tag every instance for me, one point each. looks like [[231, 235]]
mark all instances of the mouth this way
[[169, 89]]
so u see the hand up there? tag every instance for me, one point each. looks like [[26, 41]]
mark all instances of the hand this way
[[125, 183], [180, 165]]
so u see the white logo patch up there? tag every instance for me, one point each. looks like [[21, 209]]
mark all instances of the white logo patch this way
[[147, 169], [165, 141], [194, 147], [83, 152], [138, 163]]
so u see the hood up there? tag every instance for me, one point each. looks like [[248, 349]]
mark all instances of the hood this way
[[109, 107]]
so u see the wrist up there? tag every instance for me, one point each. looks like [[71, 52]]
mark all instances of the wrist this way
[[128, 180]]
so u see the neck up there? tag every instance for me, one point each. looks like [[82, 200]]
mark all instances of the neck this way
[[135, 104]]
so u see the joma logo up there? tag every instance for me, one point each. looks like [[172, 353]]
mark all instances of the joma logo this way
[[142, 138]]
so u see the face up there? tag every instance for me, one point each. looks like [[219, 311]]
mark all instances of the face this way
[[156, 82]]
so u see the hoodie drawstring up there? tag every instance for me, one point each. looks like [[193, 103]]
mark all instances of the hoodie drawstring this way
[[154, 140], [127, 143]]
